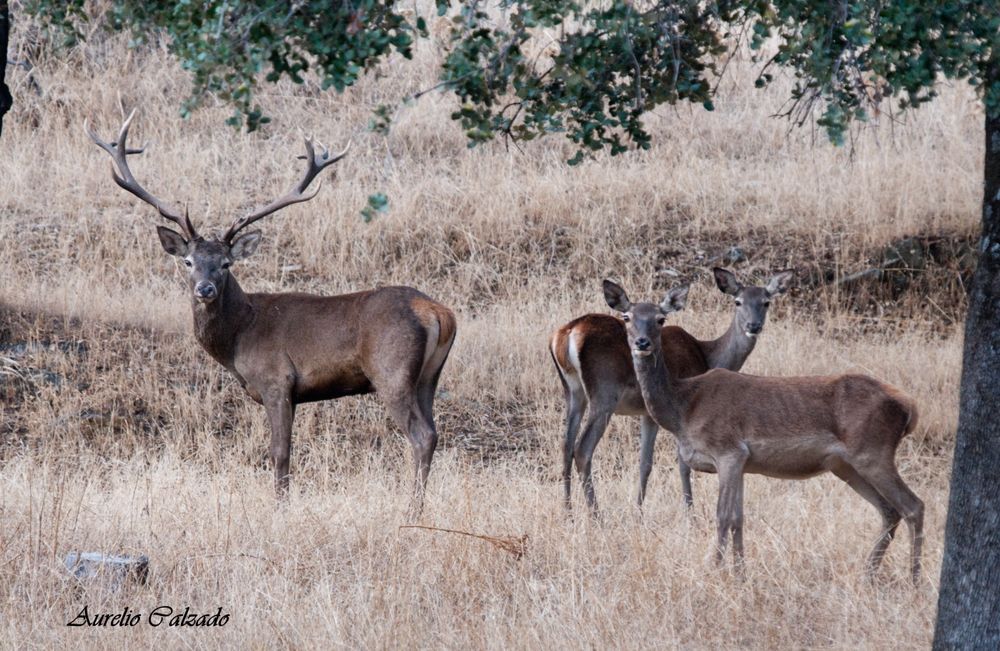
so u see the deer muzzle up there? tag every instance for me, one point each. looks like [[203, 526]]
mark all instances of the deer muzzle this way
[[205, 291], [641, 347]]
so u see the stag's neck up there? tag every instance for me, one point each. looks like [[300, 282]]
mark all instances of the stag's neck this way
[[730, 350], [660, 391], [218, 325]]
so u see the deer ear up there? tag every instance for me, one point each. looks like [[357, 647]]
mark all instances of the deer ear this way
[[726, 281], [244, 245], [779, 282], [615, 296], [172, 241], [675, 299]]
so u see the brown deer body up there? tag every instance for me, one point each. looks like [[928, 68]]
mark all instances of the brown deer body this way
[[592, 357], [786, 427], [289, 348]]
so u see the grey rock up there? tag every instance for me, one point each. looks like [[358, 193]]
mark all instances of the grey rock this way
[[114, 570]]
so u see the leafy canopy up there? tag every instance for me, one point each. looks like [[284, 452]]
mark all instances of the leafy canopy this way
[[521, 69]]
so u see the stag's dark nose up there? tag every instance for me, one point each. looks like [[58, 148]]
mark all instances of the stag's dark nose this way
[[205, 290], [642, 343], [755, 328]]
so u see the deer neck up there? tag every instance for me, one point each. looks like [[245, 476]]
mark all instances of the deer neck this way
[[660, 391], [730, 350], [217, 325]]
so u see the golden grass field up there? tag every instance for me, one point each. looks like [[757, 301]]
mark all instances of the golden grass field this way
[[129, 439]]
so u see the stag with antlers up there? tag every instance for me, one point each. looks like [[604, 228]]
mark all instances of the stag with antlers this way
[[290, 348]]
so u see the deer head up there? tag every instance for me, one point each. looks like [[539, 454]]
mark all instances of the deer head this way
[[208, 260], [751, 302], [643, 321]]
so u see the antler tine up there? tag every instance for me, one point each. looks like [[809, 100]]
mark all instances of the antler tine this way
[[122, 175], [317, 163]]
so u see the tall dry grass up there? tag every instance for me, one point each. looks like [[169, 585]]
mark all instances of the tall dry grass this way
[[136, 442]]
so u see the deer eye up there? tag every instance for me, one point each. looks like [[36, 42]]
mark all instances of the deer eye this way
[[766, 303], [661, 320], [187, 263], [739, 301], [225, 265], [626, 318]]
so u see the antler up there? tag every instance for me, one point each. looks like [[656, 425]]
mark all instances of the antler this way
[[123, 175], [317, 162]]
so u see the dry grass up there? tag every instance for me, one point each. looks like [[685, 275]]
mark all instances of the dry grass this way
[[135, 442]]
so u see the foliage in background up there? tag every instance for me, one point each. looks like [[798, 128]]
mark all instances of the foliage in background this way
[[229, 47], [522, 69]]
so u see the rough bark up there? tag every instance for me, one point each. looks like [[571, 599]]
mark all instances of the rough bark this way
[[6, 101], [969, 598]]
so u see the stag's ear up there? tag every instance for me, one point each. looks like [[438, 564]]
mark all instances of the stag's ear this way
[[779, 282], [244, 245], [726, 281], [172, 241], [615, 296], [675, 299]]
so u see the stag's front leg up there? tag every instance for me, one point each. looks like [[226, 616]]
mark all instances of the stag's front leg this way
[[280, 414]]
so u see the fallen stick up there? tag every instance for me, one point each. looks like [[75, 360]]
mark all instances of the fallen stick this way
[[515, 545]]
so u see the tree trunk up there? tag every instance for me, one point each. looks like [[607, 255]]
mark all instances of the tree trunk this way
[[969, 599], [6, 101]]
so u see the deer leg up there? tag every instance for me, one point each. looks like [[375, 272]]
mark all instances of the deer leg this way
[[280, 414], [597, 422], [576, 404], [890, 516], [422, 435], [647, 444], [887, 481], [685, 472], [729, 510]]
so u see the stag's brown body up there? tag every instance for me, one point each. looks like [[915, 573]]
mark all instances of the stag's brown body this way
[[324, 347]]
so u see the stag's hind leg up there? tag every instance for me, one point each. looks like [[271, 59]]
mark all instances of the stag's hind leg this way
[[404, 410], [431, 372], [406, 385]]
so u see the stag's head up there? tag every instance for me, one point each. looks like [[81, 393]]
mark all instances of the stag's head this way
[[643, 321], [208, 259], [751, 302]]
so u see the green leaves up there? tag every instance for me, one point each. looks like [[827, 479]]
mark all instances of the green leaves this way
[[851, 57], [226, 45], [609, 65], [589, 71], [377, 203]]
